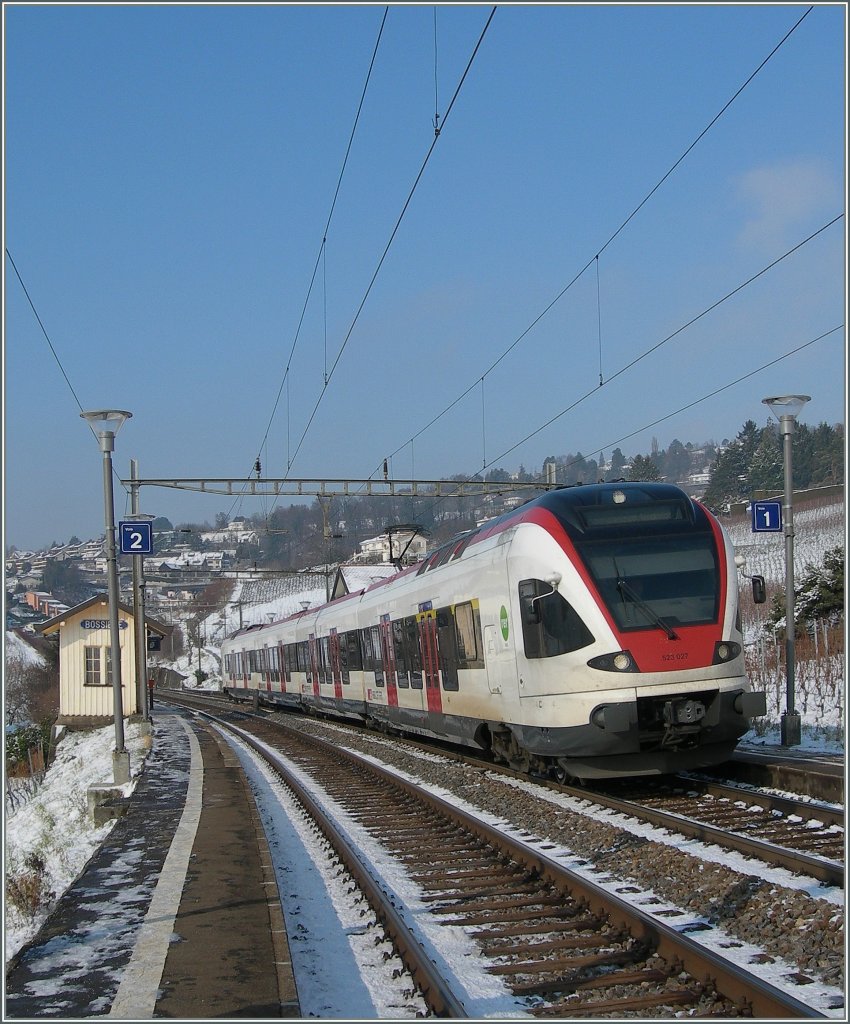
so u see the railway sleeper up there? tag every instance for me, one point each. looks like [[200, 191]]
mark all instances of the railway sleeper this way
[[595, 1008], [474, 894], [546, 924], [437, 866], [571, 964], [518, 908], [443, 875], [550, 945], [480, 880]]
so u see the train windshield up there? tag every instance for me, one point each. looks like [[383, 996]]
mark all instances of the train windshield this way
[[650, 550], [656, 581]]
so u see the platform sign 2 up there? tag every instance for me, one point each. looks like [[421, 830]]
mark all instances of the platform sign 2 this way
[[767, 516], [136, 538]]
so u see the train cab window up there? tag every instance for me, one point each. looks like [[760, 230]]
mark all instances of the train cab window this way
[[550, 625]]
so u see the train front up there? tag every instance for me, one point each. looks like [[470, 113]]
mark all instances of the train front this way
[[636, 627]]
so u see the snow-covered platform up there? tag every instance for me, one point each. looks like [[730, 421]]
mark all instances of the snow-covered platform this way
[[177, 914]]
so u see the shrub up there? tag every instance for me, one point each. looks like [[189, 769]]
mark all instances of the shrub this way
[[27, 890]]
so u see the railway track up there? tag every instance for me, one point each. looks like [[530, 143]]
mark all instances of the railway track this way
[[562, 945], [804, 837]]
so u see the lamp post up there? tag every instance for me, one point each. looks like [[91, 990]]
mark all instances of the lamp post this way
[[786, 408], [106, 423]]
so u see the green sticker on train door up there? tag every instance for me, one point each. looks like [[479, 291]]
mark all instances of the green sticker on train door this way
[[503, 622]]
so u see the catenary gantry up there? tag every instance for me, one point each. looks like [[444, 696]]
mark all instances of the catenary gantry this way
[[339, 487]]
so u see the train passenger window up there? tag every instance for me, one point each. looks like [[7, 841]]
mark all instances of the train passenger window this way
[[468, 636], [399, 647], [550, 625], [447, 648], [324, 661], [372, 644], [351, 641], [342, 650], [414, 654]]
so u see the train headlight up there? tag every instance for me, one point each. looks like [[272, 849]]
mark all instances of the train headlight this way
[[622, 661], [725, 650]]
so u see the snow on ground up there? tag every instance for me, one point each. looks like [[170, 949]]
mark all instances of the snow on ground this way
[[54, 826], [20, 651]]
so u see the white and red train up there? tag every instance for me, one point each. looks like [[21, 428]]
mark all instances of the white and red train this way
[[591, 632]]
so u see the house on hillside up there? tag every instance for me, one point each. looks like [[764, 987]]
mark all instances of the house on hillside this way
[[377, 549]]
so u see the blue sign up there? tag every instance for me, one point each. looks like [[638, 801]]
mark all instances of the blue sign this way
[[136, 538], [767, 516]]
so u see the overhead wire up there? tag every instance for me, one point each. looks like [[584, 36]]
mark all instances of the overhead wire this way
[[319, 258], [673, 334], [392, 236], [55, 355], [654, 348], [612, 236], [676, 412], [720, 390]]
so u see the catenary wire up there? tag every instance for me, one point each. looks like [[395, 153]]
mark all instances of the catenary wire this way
[[679, 330], [676, 412], [392, 237], [637, 359], [327, 225], [56, 354], [320, 254], [612, 237], [717, 391]]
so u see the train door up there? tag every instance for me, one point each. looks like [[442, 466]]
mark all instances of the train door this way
[[314, 663], [427, 621], [388, 658], [336, 667], [267, 666], [246, 675]]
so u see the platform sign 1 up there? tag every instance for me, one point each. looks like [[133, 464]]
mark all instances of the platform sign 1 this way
[[767, 516], [136, 538]]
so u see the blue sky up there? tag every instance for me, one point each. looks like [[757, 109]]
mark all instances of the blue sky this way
[[170, 170]]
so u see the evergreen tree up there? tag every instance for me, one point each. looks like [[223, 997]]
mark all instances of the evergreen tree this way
[[643, 468]]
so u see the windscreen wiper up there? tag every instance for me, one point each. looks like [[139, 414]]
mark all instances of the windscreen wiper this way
[[628, 591]]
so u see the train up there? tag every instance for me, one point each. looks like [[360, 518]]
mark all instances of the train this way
[[593, 632]]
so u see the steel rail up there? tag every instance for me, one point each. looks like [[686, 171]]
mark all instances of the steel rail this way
[[830, 814], [824, 870]]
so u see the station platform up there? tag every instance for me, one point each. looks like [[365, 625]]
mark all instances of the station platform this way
[[177, 913]]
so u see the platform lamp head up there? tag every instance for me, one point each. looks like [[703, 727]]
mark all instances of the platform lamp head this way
[[786, 405], [105, 424]]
